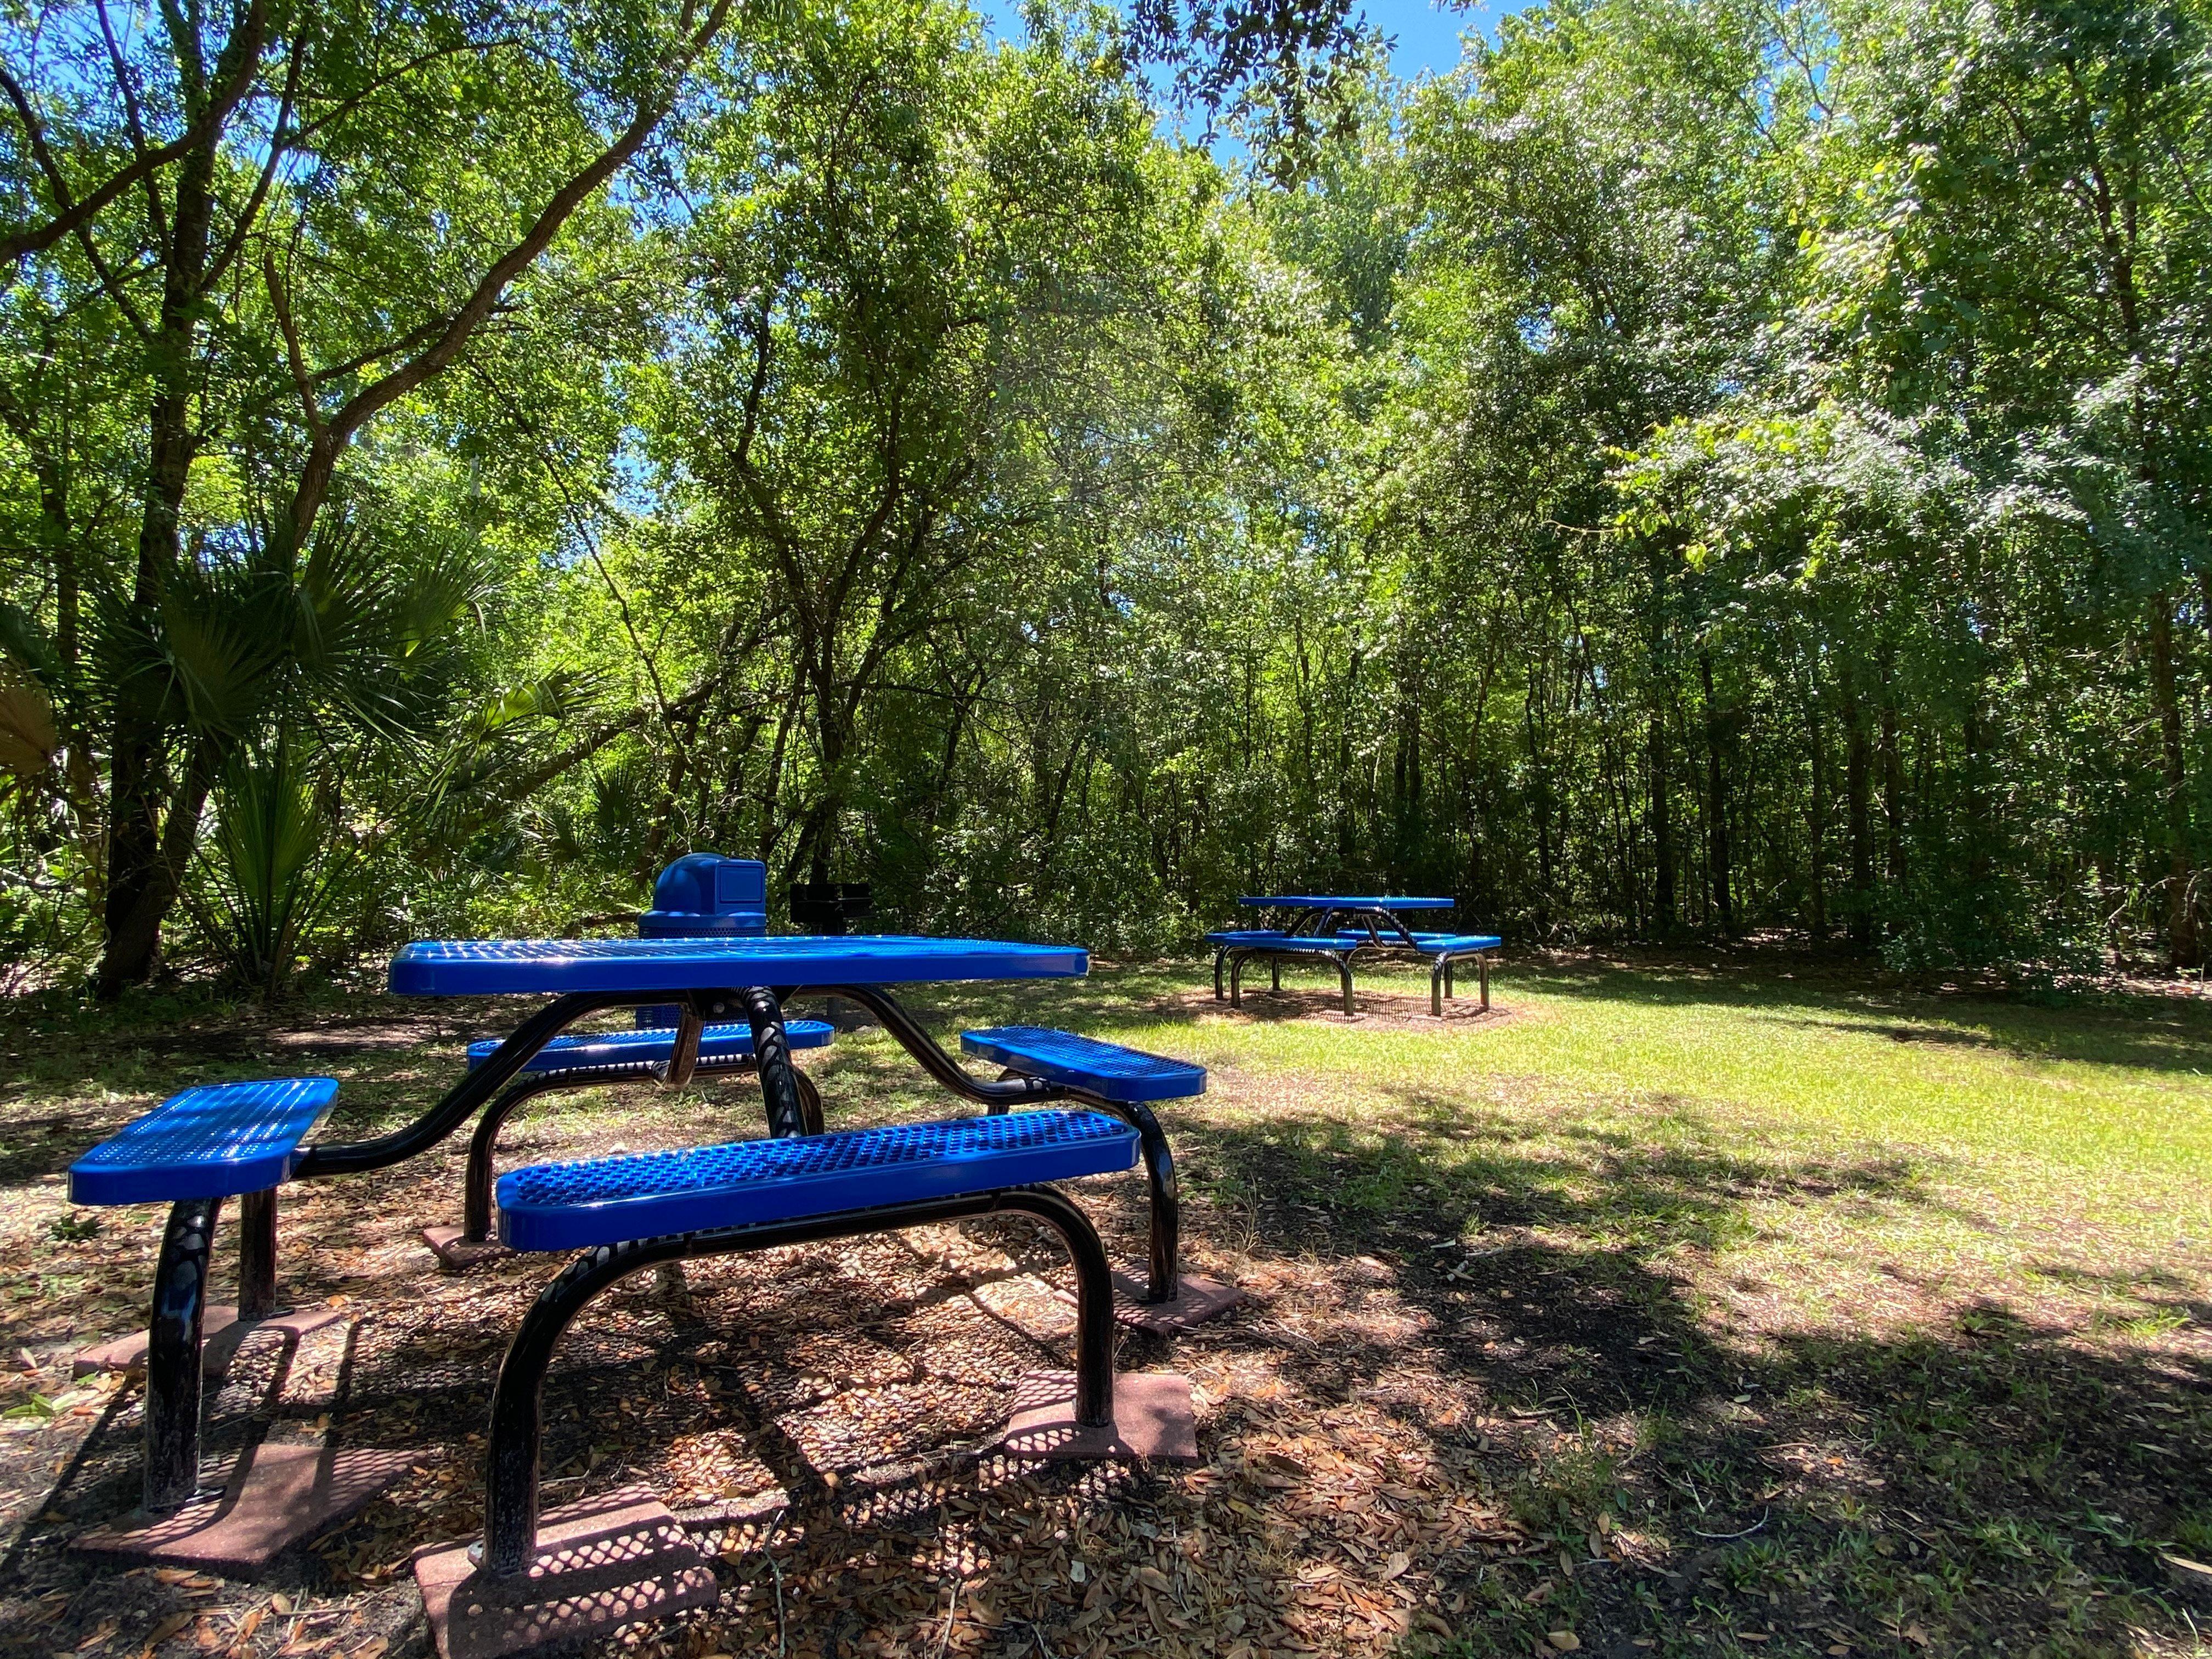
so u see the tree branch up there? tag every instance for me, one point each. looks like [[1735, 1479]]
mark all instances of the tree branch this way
[[323, 455], [280, 301], [72, 214]]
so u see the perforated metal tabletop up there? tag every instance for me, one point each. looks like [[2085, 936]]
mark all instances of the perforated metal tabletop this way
[[1325, 902], [454, 968]]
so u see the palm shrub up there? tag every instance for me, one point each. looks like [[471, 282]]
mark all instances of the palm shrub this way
[[289, 680], [266, 874]]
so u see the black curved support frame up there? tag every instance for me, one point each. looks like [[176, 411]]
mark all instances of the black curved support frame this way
[[518, 1404], [172, 1355], [1164, 1276], [1440, 978], [459, 1103]]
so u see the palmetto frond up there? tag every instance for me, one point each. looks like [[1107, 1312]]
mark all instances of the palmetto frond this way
[[265, 877]]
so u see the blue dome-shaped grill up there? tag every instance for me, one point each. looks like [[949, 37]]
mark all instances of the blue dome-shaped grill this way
[[704, 895]]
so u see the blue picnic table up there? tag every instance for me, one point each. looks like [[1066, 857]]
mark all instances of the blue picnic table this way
[[702, 955], [802, 1184], [1336, 928]]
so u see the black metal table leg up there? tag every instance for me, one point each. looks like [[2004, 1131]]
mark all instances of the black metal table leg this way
[[476, 1180], [1166, 1229], [915, 1039], [1344, 972], [459, 1102], [256, 1255], [172, 1355]]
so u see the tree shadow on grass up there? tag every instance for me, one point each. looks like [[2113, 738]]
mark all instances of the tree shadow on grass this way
[[1978, 1482], [2151, 1033]]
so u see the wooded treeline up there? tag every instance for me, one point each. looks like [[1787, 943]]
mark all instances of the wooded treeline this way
[[1705, 466]]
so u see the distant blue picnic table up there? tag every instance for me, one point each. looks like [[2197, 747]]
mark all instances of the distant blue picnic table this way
[[1335, 927]]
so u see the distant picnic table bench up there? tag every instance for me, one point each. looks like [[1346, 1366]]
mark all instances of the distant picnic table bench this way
[[1336, 928]]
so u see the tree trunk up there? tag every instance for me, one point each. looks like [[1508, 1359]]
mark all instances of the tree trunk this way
[[1663, 830], [144, 824], [1817, 742], [1893, 784], [2182, 945], [1716, 827], [1541, 802], [1858, 787], [1980, 833]]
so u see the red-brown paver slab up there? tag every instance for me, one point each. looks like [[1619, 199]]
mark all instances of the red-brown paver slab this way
[[602, 1563], [1153, 1419], [283, 1492]]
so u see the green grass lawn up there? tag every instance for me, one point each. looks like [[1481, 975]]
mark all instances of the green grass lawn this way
[[1676, 1306]]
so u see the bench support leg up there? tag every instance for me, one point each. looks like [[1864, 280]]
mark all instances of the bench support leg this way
[[1218, 954], [172, 1355], [518, 1404], [1166, 1279], [1163, 1279], [1451, 992], [1275, 975], [1343, 973], [257, 1256], [1439, 977], [1482, 967], [476, 1180], [1237, 980]]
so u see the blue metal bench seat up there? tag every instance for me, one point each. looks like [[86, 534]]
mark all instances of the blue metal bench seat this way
[[630, 1212], [613, 1201], [1253, 938], [719, 1046], [222, 1140], [1262, 940], [1107, 1070], [586, 1062], [1430, 943], [216, 1141], [1443, 952]]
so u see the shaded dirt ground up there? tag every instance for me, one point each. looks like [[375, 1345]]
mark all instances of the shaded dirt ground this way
[[1461, 1420]]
